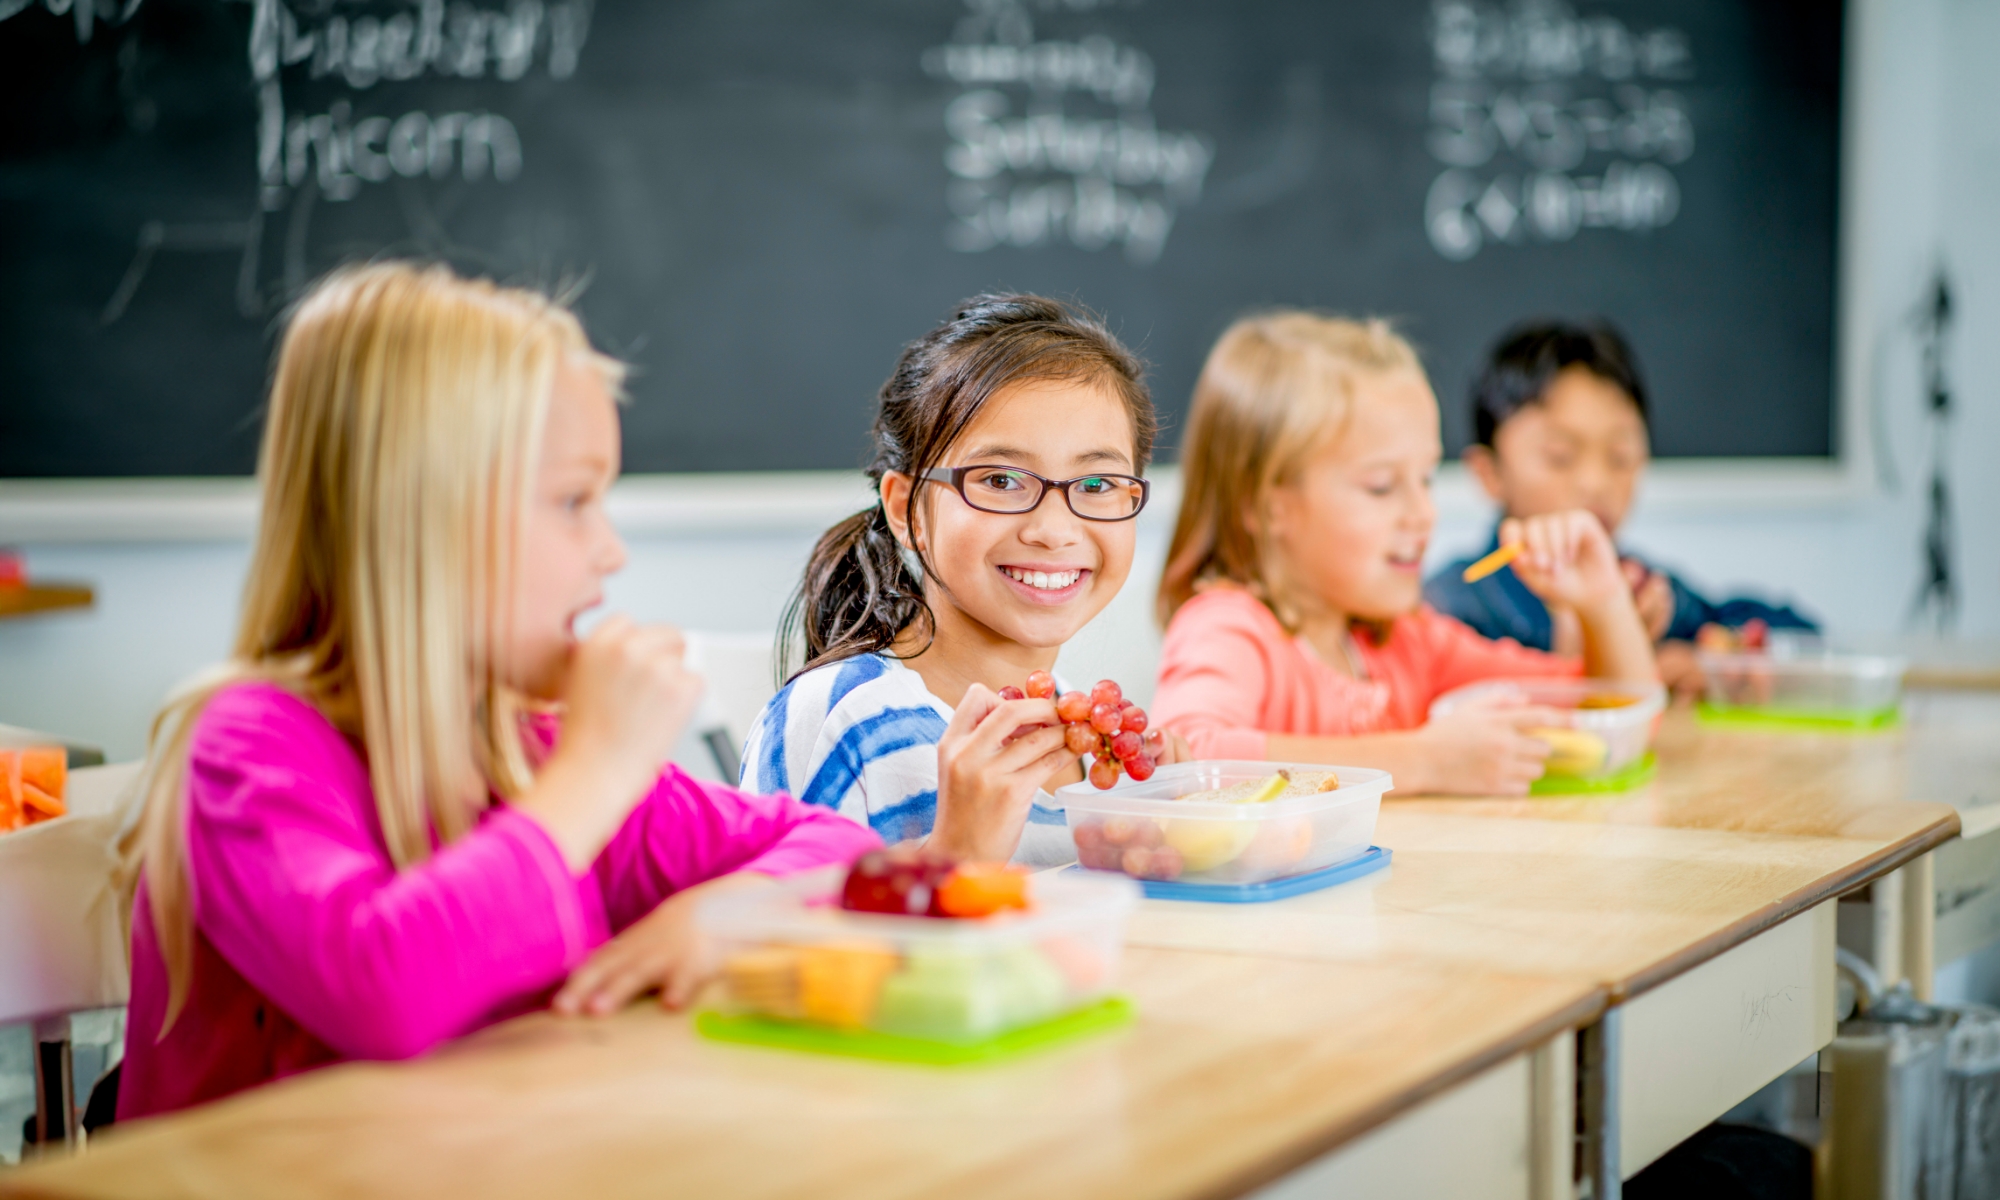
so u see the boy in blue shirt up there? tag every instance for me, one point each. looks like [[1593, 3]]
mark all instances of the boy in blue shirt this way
[[1559, 420]]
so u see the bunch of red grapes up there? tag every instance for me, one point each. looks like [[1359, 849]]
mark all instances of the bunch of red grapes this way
[[1101, 723]]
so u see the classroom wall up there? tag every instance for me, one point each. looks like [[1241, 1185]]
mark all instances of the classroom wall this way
[[1923, 166]]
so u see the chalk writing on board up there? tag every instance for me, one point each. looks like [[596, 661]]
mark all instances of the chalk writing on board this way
[[1548, 123], [342, 150], [87, 14], [1028, 170], [360, 136]]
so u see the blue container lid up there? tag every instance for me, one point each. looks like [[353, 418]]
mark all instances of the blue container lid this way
[[1372, 859]]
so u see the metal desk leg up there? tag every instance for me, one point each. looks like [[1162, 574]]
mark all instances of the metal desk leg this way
[[1598, 1142], [55, 1086]]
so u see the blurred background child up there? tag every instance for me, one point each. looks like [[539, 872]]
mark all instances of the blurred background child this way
[[1559, 422], [1293, 589]]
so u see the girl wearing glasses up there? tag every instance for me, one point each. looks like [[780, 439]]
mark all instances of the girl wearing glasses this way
[[1293, 588], [1009, 442]]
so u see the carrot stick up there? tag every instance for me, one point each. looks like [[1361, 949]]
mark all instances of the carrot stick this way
[[1492, 562]]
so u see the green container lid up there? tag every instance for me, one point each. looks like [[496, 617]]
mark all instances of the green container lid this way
[[1637, 773], [1801, 720], [1108, 1013]]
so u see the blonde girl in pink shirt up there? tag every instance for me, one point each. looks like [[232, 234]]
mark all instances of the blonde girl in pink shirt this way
[[415, 801], [1293, 590]]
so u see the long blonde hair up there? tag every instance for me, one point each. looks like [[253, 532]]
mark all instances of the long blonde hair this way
[[399, 447], [1275, 389]]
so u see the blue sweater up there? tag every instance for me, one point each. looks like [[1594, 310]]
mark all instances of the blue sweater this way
[[1500, 605]]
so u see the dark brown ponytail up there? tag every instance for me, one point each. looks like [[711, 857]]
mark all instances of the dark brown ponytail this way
[[860, 589]]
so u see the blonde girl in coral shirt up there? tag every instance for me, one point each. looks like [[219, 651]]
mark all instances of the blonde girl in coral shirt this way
[[1293, 590]]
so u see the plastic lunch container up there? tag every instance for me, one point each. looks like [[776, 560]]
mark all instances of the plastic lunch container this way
[[793, 955], [1605, 726], [1158, 830], [1805, 683]]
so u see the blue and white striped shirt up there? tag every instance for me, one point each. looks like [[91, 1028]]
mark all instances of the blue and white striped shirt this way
[[860, 736]]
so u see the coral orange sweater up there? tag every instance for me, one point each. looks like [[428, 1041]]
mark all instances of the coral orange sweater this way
[[1230, 675]]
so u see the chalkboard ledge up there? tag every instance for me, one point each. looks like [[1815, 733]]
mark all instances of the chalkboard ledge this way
[[197, 510]]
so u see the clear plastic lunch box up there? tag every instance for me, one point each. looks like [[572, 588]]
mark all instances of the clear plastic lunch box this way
[[1806, 683], [1154, 831], [791, 954], [1601, 726]]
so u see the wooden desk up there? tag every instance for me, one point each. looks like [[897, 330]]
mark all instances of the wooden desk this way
[[1703, 904], [1238, 1070], [1375, 1021]]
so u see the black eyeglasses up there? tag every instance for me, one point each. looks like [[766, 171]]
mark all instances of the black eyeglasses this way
[[1012, 490]]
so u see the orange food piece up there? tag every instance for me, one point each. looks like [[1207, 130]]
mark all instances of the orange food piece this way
[[982, 889], [839, 982], [1602, 701], [32, 781], [38, 805], [47, 767]]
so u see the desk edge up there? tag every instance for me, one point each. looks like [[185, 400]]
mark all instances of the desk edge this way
[[1580, 1012], [1833, 886]]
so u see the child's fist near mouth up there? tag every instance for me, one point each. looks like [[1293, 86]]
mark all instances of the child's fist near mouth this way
[[1567, 559]]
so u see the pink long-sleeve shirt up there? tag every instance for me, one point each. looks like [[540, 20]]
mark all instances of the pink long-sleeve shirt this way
[[1230, 676], [312, 948]]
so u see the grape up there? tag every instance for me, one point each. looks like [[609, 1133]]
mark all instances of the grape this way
[[1166, 864], [1074, 706], [1088, 836], [1137, 862], [1010, 692], [1041, 685], [1148, 834], [1080, 738], [1132, 719], [1119, 831], [1107, 692], [1125, 746], [1099, 857], [1104, 718], [1140, 768], [1103, 774]]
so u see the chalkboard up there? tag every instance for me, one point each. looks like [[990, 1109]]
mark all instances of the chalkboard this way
[[763, 199]]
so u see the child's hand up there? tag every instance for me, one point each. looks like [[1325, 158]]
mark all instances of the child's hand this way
[[1680, 670], [1484, 748], [1653, 595], [628, 696], [987, 776], [1567, 559], [660, 950], [1166, 746]]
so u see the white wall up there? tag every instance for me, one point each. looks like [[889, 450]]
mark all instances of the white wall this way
[[1923, 175]]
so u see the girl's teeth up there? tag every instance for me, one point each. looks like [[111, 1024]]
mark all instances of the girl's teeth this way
[[1044, 580]]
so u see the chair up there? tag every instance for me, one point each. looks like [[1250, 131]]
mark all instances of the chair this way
[[738, 668], [62, 936]]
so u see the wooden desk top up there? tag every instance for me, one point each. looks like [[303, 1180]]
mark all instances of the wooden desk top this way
[[1739, 833], [1237, 1070]]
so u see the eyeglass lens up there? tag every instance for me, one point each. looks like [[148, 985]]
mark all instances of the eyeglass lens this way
[[1104, 496]]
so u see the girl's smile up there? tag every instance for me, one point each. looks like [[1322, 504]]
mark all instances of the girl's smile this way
[[1044, 583]]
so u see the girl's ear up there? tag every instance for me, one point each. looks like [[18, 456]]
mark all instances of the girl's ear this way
[[895, 493], [1485, 467]]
